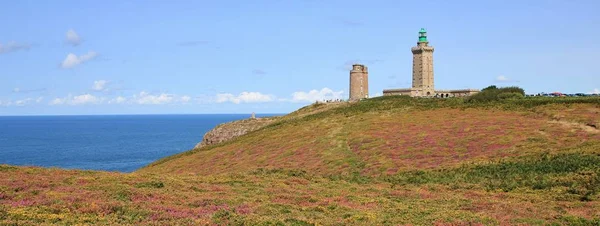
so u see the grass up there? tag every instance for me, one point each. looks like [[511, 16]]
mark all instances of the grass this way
[[383, 161], [547, 188], [390, 134], [576, 175]]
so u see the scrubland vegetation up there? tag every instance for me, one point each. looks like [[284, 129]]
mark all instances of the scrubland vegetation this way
[[497, 158]]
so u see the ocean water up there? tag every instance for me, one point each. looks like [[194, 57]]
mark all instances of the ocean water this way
[[110, 142]]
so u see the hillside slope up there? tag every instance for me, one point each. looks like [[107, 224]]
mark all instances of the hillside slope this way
[[385, 161], [230, 130], [536, 190], [386, 135]]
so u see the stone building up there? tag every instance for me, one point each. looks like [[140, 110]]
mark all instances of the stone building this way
[[359, 82], [422, 74]]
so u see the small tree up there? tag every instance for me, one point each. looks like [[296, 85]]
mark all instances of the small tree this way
[[493, 93], [492, 87], [511, 95], [513, 89]]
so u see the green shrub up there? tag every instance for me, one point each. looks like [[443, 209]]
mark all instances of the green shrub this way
[[3, 213], [503, 96], [227, 217], [297, 222], [123, 195], [150, 184], [577, 172], [577, 220], [492, 87], [512, 89], [492, 93], [7, 168], [128, 215]]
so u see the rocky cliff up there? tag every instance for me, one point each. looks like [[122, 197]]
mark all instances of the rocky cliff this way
[[230, 130]]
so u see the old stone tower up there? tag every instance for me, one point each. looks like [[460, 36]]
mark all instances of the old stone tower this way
[[423, 66], [359, 82], [422, 75]]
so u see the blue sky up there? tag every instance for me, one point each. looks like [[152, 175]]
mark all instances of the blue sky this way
[[274, 56]]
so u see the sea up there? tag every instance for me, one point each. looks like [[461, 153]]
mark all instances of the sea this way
[[120, 143]]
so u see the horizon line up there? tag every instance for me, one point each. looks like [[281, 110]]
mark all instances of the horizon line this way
[[147, 114]]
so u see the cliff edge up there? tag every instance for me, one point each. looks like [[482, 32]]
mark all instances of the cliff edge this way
[[227, 131]]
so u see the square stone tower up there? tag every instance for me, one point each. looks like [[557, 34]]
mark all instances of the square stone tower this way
[[359, 82], [422, 72], [422, 75]]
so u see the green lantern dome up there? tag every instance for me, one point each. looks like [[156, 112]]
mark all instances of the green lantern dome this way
[[422, 35]]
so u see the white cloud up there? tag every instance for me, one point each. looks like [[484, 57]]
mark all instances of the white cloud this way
[[77, 100], [73, 38], [58, 101], [146, 98], [5, 103], [85, 99], [244, 97], [19, 90], [316, 95], [100, 85], [252, 97], [118, 100], [185, 99], [13, 46], [501, 78], [73, 60], [595, 91], [376, 95], [23, 102], [224, 97]]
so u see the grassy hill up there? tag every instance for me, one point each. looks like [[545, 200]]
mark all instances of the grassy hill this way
[[383, 161], [387, 135]]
